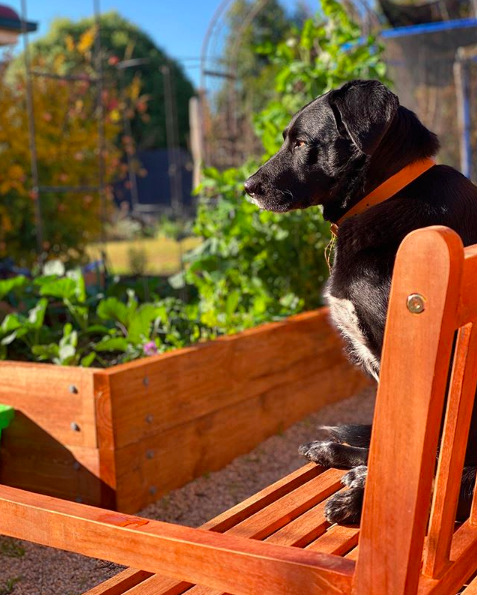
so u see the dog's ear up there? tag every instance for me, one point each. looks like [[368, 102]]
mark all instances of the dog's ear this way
[[365, 110]]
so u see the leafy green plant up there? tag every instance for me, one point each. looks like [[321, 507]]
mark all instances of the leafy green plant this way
[[329, 51], [255, 266], [58, 321], [251, 267]]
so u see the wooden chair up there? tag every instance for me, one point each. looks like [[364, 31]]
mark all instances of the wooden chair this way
[[278, 541]]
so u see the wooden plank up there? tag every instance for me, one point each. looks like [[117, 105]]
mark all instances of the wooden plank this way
[[121, 583], [264, 512], [43, 394], [289, 507], [168, 390], [264, 498], [464, 555], [413, 378], [338, 539], [467, 305], [169, 459], [295, 533], [452, 452], [226, 562], [48, 467], [105, 437], [471, 588], [230, 518], [353, 555], [156, 585]]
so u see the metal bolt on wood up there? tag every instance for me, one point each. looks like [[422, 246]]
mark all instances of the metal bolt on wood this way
[[152, 490], [416, 303], [146, 381], [150, 454], [76, 466], [73, 389], [75, 427], [149, 419]]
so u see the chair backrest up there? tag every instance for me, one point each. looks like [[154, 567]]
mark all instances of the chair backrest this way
[[426, 393]]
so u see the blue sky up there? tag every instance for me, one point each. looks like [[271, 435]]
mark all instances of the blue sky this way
[[178, 26]]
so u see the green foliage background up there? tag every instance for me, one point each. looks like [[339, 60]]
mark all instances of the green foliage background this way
[[251, 267], [254, 265]]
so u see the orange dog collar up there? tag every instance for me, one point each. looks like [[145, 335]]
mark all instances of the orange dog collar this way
[[387, 189]]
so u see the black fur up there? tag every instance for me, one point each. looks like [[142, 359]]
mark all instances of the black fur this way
[[336, 150]]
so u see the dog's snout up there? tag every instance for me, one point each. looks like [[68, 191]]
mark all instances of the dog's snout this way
[[252, 186]]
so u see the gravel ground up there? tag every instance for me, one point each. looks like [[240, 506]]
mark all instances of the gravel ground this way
[[27, 569]]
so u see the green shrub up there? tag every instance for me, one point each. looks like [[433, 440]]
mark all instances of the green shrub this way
[[57, 320], [255, 266], [251, 267]]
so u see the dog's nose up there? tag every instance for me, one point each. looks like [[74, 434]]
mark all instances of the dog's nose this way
[[252, 187]]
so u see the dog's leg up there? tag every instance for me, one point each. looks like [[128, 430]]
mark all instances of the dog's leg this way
[[346, 506], [345, 447], [334, 454], [341, 446]]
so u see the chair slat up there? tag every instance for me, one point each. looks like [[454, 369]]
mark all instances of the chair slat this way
[[463, 555], [338, 540], [121, 583], [468, 299], [294, 531], [150, 587], [416, 355], [452, 452], [264, 498], [223, 522], [471, 588], [282, 511], [226, 562]]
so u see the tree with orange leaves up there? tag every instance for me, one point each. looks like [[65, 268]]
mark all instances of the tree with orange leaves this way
[[66, 123]]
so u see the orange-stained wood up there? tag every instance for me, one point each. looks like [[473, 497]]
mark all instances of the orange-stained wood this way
[[390, 554], [162, 392], [224, 522], [452, 452], [226, 562], [464, 557], [53, 397], [121, 583], [157, 423], [471, 589], [416, 354], [467, 307], [339, 540]]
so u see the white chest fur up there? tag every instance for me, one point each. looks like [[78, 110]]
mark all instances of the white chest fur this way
[[344, 317]]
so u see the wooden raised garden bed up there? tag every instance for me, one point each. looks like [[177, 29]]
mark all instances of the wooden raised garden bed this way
[[121, 437]]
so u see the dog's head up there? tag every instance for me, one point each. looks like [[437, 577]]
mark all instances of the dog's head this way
[[323, 141]]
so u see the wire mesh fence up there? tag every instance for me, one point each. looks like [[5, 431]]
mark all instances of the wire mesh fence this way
[[435, 76]]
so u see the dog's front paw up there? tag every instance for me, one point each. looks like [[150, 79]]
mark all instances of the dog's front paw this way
[[321, 453], [345, 507], [356, 477]]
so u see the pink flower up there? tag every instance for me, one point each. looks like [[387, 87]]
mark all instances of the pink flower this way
[[150, 348]]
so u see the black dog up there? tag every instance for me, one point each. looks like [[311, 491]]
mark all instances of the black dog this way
[[336, 150]]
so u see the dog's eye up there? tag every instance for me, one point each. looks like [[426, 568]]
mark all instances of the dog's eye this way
[[299, 143]]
